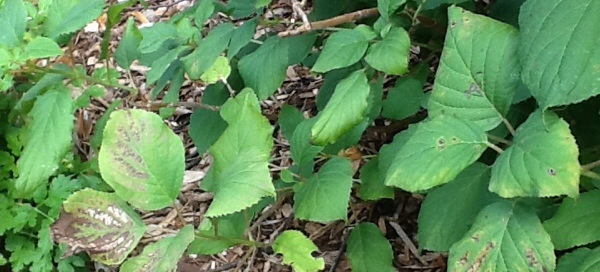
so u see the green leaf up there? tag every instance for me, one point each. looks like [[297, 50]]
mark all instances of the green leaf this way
[[449, 211], [49, 138], [436, 152], [42, 47], [559, 50], [392, 53], [541, 162], [580, 260], [67, 16], [388, 7], [330, 188], [207, 52], [99, 223], [296, 250], [13, 17], [204, 10], [342, 49], [241, 156], [300, 46], [155, 36], [147, 177], [289, 118], [431, 4], [205, 128], [241, 37], [160, 65], [372, 182], [504, 238], [404, 100], [575, 222], [375, 99], [303, 152], [162, 255], [345, 109], [128, 51], [478, 72], [368, 250], [264, 69]]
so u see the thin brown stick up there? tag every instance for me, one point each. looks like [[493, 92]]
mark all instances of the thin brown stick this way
[[331, 22], [194, 105]]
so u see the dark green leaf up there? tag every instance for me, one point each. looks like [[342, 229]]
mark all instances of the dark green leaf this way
[[264, 69]]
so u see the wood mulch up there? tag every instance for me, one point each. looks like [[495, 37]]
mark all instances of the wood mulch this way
[[396, 218]]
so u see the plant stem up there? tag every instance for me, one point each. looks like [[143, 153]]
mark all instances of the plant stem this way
[[499, 139], [194, 105], [590, 166], [510, 128], [331, 22], [495, 147], [419, 8], [590, 174]]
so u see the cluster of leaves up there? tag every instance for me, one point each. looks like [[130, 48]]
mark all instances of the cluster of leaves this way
[[533, 70]]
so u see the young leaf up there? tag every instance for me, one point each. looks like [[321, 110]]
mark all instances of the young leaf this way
[[372, 182], [478, 72], [42, 47], [208, 50], [49, 138], [324, 197], [241, 37], [241, 156], [575, 221], [220, 70], [342, 49], [580, 260], [558, 50], [67, 16], [368, 250], [388, 7], [99, 223], [229, 226], [345, 109], [391, 54], [128, 51], [504, 238], [148, 178], [303, 152], [204, 10], [449, 211], [296, 250], [205, 128], [541, 162], [162, 255], [13, 17], [404, 100], [264, 69], [437, 151]]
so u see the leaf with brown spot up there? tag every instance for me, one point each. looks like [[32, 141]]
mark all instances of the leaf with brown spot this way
[[100, 224]]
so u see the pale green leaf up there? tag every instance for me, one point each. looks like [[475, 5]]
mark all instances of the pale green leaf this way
[[436, 152], [444, 218], [42, 47], [147, 177], [128, 51], [345, 109], [575, 222], [388, 7], [580, 260], [342, 49], [296, 250], [372, 185], [241, 156], [220, 70], [404, 100], [330, 188], [48, 139], [559, 50], [67, 16], [207, 52], [504, 238], [162, 255], [478, 72], [13, 17], [392, 53], [99, 223], [541, 162], [368, 250], [264, 69]]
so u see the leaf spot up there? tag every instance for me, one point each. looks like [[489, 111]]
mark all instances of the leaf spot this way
[[441, 144], [551, 172]]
